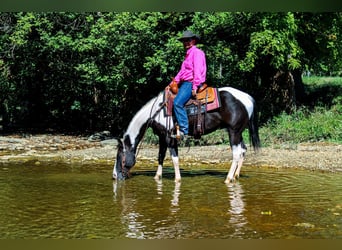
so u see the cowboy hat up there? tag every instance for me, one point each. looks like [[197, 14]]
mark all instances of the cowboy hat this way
[[188, 34]]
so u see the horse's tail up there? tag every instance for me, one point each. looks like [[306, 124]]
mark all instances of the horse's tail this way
[[254, 130]]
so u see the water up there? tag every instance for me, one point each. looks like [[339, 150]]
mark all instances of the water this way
[[39, 201]]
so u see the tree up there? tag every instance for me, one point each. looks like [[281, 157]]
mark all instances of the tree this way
[[92, 71], [266, 53]]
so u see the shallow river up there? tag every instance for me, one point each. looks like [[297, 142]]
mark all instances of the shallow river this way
[[82, 201]]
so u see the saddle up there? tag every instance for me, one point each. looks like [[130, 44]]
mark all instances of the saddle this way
[[206, 99]]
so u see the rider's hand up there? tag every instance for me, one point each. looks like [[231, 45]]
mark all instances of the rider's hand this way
[[173, 86]]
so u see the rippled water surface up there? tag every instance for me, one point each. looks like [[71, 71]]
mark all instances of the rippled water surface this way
[[79, 201]]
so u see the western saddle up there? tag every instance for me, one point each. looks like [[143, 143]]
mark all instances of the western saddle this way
[[196, 107]]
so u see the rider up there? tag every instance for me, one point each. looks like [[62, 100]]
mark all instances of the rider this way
[[190, 77]]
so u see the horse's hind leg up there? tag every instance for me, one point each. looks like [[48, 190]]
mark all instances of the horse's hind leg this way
[[242, 157], [238, 154]]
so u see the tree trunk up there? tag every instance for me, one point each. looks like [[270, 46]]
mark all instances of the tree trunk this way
[[299, 87], [276, 92]]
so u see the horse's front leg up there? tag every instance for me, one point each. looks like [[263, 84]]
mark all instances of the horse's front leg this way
[[175, 161], [161, 157], [238, 155]]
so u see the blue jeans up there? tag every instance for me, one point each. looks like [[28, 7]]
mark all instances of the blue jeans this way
[[184, 94]]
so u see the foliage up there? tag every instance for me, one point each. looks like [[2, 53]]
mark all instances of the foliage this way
[[320, 122], [305, 126], [93, 71], [275, 38], [323, 91]]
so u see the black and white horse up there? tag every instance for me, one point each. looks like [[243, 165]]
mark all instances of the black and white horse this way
[[236, 113]]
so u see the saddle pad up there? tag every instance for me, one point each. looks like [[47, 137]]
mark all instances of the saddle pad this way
[[216, 103], [210, 100], [192, 108]]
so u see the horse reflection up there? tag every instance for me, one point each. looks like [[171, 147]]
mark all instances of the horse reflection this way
[[174, 210], [175, 197], [237, 208], [175, 194], [142, 222], [159, 186], [129, 217]]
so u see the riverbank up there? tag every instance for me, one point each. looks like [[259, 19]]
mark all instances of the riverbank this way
[[319, 156]]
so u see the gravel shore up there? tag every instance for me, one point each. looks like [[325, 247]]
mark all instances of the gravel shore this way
[[47, 147]]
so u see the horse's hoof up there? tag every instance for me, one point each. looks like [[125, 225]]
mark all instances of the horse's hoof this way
[[228, 180]]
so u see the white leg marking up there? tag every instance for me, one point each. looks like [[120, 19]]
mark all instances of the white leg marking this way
[[230, 176], [237, 155], [242, 157], [159, 172], [114, 171], [175, 161]]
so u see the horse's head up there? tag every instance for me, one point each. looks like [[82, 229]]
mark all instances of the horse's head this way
[[125, 160]]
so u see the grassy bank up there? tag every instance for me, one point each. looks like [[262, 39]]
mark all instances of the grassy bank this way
[[319, 120], [304, 125]]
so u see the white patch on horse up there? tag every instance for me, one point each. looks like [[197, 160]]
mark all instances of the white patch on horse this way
[[161, 118], [141, 117], [243, 97]]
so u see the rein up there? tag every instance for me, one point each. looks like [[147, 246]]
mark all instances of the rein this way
[[150, 119], [123, 159]]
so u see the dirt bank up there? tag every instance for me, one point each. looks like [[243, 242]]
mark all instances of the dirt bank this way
[[20, 148]]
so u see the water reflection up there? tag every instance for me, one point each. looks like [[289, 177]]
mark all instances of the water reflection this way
[[152, 221], [129, 217], [81, 202], [237, 208], [159, 186], [175, 196], [144, 213]]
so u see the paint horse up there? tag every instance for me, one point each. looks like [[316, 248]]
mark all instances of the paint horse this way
[[237, 112]]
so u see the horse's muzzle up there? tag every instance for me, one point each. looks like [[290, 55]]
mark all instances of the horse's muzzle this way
[[120, 176]]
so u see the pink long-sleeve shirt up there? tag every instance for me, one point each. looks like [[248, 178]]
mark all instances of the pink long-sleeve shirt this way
[[193, 68]]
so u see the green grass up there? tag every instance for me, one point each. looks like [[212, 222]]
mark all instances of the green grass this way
[[304, 126], [320, 120], [319, 81]]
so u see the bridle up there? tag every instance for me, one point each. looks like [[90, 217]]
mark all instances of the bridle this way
[[151, 118], [123, 159]]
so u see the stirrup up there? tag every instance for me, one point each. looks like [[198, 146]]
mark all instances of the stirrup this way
[[180, 136], [177, 136]]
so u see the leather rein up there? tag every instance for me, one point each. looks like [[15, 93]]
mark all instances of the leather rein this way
[[150, 119]]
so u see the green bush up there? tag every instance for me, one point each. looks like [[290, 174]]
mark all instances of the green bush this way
[[304, 126]]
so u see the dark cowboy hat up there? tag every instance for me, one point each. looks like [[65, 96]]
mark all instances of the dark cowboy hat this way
[[188, 34]]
